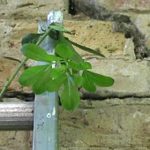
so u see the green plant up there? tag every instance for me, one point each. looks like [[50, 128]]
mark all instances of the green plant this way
[[69, 74]]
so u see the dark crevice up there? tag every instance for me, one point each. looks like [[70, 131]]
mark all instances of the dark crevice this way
[[95, 97], [71, 8], [85, 96], [122, 23], [20, 95]]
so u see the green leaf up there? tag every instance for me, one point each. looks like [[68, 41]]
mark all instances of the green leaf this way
[[58, 27], [70, 97], [55, 72], [31, 75], [58, 76], [87, 49], [46, 83], [56, 83], [99, 80], [78, 80], [79, 66], [43, 78], [36, 77], [34, 52], [31, 38], [75, 57], [64, 49], [86, 65], [87, 83]]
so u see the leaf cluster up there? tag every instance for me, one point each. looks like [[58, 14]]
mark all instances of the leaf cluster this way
[[70, 73]]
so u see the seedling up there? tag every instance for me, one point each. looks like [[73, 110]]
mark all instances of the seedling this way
[[70, 73]]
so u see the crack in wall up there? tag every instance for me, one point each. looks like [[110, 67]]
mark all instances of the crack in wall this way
[[95, 97], [122, 23], [20, 95], [84, 95]]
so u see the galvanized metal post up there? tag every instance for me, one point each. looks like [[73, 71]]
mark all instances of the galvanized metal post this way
[[45, 134], [45, 131]]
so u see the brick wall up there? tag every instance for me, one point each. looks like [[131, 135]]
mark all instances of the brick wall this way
[[114, 118]]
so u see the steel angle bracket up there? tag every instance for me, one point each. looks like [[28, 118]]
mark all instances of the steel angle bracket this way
[[45, 129]]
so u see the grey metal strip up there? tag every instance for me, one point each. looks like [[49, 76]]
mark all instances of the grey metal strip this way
[[45, 134], [45, 122]]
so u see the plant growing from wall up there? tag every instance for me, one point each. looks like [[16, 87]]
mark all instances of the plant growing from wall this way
[[70, 73]]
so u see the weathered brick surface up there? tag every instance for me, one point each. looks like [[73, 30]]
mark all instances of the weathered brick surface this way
[[99, 125], [110, 124], [126, 5], [131, 77], [27, 9], [14, 140]]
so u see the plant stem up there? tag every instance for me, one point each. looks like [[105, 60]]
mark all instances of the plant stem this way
[[12, 77]]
